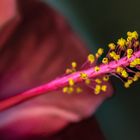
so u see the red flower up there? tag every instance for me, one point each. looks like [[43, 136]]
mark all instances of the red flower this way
[[36, 47]]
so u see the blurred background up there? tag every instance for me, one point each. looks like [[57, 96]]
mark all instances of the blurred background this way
[[98, 23]]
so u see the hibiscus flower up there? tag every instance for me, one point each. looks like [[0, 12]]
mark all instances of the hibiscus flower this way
[[36, 46]]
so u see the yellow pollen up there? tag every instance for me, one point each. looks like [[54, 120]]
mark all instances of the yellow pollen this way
[[65, 89], [100, 51], [104, 88], [105, 78], [97, 89], [130, 81], [132, 64], [112, 46], [126, 85], [129, 39], [135, 35], [70, 90], [116, 57], [124, 74], [129, 33], [71, 82], [91, 58], [74, 64], [96, 68], [87, 81], [119, 69], [83, 75], [129, 55], [78, 90], [129, 51], [132, 35], [137, 61], [105, 60], [135, 78], [98, 81], [112, 54], [121, 42]]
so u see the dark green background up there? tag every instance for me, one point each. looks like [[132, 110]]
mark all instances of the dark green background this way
[[99, 22]]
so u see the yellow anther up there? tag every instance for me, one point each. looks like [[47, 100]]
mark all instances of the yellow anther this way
[[70, 90], [78, 90], [87, 81], [126, 85], [105, 60], [97, 89], [129, 39], [104, 88], [83, 75], [121, 42], [129, 33], [98, 81], [129, 55], [74, 64], [105, 78], [65, 89], [130, 81], [91, 58], [112, 46], [119, 69], [71, 82], [100, 51], [129, 51], [132, 35], [137, 61], [135, 78], [96, 68], [132, 64], [116, 57], [124, 74], [135, 35], [112, 54]]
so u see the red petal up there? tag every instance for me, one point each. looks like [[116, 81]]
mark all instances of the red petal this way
[[39, 50]]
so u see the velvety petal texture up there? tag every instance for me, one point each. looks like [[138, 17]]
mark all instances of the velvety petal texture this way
[[35, 48], [9, 14]]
